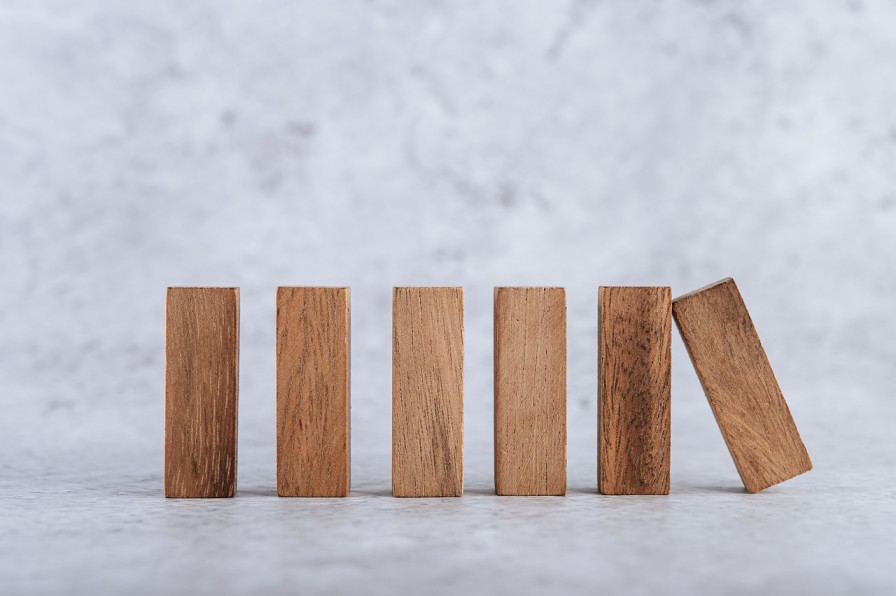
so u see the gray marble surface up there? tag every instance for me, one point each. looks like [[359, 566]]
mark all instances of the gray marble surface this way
[[373, 144]]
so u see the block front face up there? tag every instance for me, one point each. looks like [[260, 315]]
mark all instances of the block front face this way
[[634, 390], [201, 385], [530, 391], [740, 385], [313, 392], [427, 392]]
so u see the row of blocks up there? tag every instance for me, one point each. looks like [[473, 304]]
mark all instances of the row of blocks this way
[[313, 390]]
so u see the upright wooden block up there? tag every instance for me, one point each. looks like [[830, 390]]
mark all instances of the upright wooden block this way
[[530, 391], [740, 385], [313, 401], [201, 386], [635, 390], [427, 392]]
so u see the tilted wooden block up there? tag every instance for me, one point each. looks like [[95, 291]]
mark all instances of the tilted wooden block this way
[[201, 385], [530, 391], [427, 392], [635, 390], [313, 399], [740, 385]]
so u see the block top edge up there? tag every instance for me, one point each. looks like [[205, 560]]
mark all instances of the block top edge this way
[[637, 287], [204, 288], [314, 287], [427, 288], [530, 287], [715, 284]]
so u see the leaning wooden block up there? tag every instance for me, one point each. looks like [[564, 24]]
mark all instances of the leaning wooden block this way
[[740, 385], [313, 401], [635, 390], [201, 385], [530, 391], [428, 392]]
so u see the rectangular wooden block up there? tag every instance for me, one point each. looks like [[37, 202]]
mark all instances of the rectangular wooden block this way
[[427, 392], [634, 390], [530, 391], [313, 392], [201, 386], [740, 385]]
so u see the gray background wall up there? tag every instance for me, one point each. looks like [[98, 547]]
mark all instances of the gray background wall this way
[[374, 144]]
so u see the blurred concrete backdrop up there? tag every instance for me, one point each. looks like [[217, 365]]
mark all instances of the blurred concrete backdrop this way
[[385, 143]]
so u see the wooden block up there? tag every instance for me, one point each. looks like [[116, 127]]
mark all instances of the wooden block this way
[[635, 390], [428, 392], [530, 391], [313, 401], [201, 385], [740, 385]]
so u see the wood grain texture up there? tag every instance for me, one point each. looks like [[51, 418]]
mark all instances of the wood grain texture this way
[[634, 390], [530, 391], [427, 392], [201, 387], [313, 392], [740, 385]]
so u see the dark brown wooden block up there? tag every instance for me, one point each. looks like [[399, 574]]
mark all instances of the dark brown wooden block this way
[[740, 385], [201, 386], [530, 391], [313, 400], [428, 392], [634, 386]]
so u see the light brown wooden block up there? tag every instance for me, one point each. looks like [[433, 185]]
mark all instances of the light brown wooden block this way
[[530, 391], [313, 400], [201, 386], [427, 392], [740, 385], [635, 390]]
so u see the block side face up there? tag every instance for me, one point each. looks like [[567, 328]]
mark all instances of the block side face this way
[[313, 392], [348, 391], [201, 392], [427, 392], [530, 391], [634, 390], [741, 386]]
